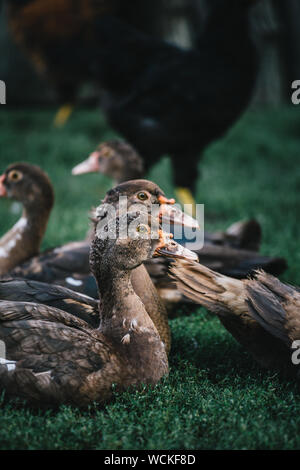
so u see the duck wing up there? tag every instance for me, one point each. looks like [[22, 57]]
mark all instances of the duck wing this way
[[58, 263], [275, 306], [50, 352], [24, 290], [67, 266]]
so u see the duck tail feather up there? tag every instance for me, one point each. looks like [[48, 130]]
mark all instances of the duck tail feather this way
[[266, 307]]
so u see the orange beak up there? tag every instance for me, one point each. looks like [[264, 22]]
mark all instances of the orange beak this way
[[164, 200], [3, 192]]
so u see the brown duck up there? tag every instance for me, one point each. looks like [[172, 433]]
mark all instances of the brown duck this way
[[29, 185], [54, 357], [67, 265], [263, 314], [114, 158], [55, 266]]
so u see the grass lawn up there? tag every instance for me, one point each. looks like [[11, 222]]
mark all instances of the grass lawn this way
[[215, 397]]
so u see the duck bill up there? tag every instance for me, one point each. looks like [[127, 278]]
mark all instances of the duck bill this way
[[168, 247], [171, 214], [90, 165], [3, 192]]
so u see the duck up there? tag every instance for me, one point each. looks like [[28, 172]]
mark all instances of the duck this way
[[261, 313], [54, 266], [30, 186], [54, 358], [114, 158]]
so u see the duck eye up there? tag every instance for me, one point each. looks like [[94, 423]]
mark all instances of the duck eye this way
[[15, 175], [142, 229], [142, 196], [106, 152]]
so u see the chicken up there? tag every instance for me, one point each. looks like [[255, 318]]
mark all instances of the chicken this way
[[166, 100], [161, 98]]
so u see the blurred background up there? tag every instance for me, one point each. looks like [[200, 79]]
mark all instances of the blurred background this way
[[275, 27], [259, 142], [216, 396]]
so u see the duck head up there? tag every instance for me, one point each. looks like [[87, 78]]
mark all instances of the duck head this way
[[114, 158], [126, 241], [145, 196], [27, 184]]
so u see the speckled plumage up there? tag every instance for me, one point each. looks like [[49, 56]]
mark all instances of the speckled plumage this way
[[61, 359], [25, 290], [72, 260]]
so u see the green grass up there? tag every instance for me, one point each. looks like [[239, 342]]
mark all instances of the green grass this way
[[216, 396]]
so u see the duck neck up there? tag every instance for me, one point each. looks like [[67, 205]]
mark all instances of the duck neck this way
[[37, 217], [23, 240], [129, 173], [119, 302], [125, 322]]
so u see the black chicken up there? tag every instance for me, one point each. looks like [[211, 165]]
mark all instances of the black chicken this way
[[166, 100], [161, 98]]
